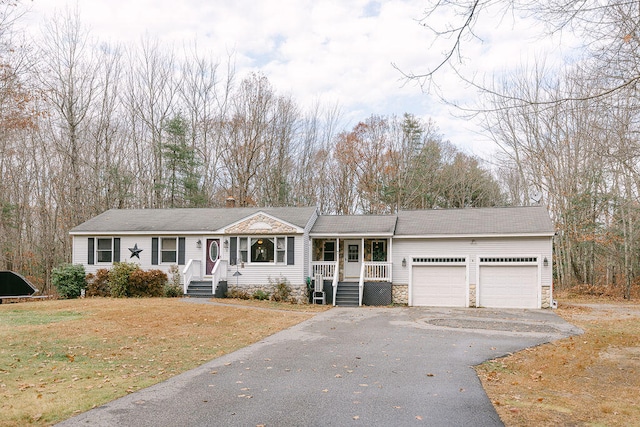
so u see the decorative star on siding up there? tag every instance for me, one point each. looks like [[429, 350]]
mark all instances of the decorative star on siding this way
[[135, 252]]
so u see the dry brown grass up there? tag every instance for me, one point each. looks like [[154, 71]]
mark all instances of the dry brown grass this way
[[59, 358], [591, 379]]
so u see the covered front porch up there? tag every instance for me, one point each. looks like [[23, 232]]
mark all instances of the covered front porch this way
[[348, 264]]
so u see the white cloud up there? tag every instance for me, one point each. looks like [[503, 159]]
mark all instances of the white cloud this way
[[334, 50]]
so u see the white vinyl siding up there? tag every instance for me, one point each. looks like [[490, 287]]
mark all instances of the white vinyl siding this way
[[472, 249], [80, 248], [259, 273]]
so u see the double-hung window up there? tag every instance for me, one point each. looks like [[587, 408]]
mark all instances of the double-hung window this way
[[329, 251], [104, 250], [168, 250]]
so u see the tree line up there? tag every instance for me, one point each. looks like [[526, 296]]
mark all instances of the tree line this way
[[86, 126], [570, 133]]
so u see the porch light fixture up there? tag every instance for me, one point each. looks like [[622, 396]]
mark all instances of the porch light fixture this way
[[226, 243], [404, 262], [545, 262], [198, 243]]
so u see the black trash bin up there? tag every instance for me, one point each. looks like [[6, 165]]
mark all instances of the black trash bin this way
[[221, 290]]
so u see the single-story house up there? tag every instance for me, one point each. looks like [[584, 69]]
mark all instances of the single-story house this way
[[477, 257]]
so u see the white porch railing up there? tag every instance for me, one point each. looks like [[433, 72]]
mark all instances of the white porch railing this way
[[334, 283], [363, 268], [191, 271], [219, 273], [326, 268], [376, 271]]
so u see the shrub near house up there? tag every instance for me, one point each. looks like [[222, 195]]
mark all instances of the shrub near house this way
[[69, 280], [123, 280]]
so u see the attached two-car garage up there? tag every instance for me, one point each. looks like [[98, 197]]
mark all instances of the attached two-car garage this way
[[502, 282]]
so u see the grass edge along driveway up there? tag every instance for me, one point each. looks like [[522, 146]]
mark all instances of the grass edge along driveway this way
[[60, 358], [591, 379]]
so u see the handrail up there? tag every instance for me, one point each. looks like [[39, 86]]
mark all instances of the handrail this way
[[189, 273], [361, 283], [334, 283], [218, 273]]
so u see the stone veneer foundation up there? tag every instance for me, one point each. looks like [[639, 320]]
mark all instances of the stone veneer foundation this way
[[298, 293], [400, 294]]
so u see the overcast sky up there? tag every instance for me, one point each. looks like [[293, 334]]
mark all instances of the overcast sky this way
[[332, 50]]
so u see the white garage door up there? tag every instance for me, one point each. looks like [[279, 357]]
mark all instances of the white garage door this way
[[439, 285], [509, 286]]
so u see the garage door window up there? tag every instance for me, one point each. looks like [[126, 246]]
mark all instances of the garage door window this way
[[519, 260]]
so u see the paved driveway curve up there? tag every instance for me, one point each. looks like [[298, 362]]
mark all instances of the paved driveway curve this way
[[344, 367]]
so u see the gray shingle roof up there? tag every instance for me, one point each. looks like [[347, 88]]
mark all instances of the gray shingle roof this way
[[184, 220], [433, 222], [354, 224], [475, 221]]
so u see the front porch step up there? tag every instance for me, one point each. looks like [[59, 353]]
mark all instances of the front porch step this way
[[199, 289], [347, 294]]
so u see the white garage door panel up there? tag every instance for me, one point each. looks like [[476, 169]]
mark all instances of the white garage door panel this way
[[439, 286], [509, 286]]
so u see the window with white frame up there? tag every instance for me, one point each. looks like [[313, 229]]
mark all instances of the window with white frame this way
[[281, 250], [168, 250], [104, 250], [379, 250], [243, 249], [329, 251], [263, 249]]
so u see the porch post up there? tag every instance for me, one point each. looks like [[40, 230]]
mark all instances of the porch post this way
[[310, 266], [337, 260], [390, 258]]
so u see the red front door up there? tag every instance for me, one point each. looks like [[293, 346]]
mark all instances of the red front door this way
[[213, 253]]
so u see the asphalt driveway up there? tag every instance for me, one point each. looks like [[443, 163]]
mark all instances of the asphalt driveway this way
[[346, 366]]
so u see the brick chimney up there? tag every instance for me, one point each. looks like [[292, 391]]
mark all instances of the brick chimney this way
[[231, 202]]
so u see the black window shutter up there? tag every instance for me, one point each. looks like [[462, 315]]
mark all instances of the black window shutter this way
[[116, 249], [154, 251], [91, 251], [291, 246], [181, 246], [233, 250]]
